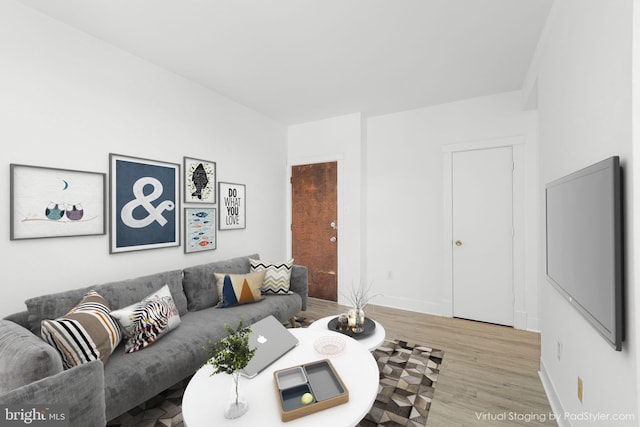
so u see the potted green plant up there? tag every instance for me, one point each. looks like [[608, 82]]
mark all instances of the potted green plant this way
[[229, 356]]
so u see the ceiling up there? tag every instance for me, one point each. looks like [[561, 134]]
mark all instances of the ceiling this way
[[304, 60]]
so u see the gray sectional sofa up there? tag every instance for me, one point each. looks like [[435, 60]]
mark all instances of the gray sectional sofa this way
[[31, 370]]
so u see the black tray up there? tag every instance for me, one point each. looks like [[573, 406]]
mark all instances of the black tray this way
[[369, 328]]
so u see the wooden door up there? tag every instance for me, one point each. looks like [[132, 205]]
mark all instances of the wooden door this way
[[483, 235], [314, 231]]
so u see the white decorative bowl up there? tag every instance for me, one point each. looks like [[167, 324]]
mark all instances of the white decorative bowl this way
[[329, 345]]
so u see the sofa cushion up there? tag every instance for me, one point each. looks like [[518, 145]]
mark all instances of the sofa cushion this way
[[85, 333], [277, 278], [147, 321], [132, 378], [237, 289], [200, 286], [119, 294], [25, 357]]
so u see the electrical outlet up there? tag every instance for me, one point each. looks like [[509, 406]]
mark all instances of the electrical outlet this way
[[580, 389], [559, 350], [389, 275]]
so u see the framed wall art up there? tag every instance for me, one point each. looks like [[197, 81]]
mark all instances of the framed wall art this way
[[51, 202], [199, 181], [144, 204], [232, 206], [199, 229]]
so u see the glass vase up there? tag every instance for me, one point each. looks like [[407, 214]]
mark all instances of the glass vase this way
[[237, 405], [359, 327]]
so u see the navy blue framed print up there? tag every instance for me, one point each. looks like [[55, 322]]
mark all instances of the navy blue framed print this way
[[145, 197]]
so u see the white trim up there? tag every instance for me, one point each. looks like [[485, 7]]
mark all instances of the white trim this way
[[310, 160], [520, 319], [533, 324], [552, 395], [447, 178], [519, 269], [519, 291], [508, 141]]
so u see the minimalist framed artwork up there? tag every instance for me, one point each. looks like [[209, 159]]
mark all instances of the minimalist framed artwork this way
[[199, 181], [199, 229], [50, 202], [144, 203], [233, 204]]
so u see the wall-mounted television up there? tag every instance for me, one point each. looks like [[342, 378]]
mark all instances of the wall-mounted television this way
[[584, 258]]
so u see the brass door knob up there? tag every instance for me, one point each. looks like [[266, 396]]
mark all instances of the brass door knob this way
[[458, 243]]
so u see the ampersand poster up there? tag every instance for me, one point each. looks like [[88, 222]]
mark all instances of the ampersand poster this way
[[144, 204], [232, 206]]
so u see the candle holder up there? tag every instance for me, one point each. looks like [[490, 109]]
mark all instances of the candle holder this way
[[356, 320], [343, 322]]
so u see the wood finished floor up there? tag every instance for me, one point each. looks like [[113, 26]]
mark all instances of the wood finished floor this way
[[489, 375]]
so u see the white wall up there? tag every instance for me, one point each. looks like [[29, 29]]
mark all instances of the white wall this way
[[68, 100], [337, 139], [406, 224], [584, 107]]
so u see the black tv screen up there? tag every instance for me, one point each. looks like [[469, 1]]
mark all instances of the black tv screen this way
[[584, 244]]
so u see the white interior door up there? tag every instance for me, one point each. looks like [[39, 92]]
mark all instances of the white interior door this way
[[483, 235]]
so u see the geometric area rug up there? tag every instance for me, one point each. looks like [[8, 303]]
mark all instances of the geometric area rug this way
[[408, 376]]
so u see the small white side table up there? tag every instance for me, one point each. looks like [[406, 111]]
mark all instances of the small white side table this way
[[371, 342]]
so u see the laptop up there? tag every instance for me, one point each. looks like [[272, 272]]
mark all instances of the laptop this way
[[271, 340]]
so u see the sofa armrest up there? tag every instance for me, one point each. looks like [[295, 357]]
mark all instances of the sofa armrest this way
[[80, 389], [299, 283], [21, 318], [24, 357]]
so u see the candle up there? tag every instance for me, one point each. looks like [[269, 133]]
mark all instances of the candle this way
[[352, 318]]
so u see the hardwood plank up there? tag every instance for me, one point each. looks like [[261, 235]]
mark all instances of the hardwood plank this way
[[489, 372]]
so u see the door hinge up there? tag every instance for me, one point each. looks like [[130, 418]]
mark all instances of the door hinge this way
[[291, 227], [290, 180]]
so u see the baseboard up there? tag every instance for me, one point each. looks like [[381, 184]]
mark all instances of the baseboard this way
[[409, 304], [520, 320], [533, 324], [554, 400]]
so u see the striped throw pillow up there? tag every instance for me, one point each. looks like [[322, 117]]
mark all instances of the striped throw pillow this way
[[277, 277], [85, 333]]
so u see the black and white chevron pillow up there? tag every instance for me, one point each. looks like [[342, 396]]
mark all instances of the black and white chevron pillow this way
[[277, 278]]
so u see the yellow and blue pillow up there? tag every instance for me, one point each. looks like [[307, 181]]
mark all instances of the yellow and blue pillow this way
[[236, 289]]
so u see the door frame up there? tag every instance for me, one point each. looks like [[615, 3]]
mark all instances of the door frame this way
[[310, 161], [517, 144]]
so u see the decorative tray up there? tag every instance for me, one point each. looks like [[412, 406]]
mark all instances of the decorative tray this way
[[369, 328], [319, 379]]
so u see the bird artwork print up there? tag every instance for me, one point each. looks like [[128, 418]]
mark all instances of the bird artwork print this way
[[54, 211], [75, 212]]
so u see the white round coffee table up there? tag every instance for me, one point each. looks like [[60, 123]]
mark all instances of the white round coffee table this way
[[206, 397], [372, 341]]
